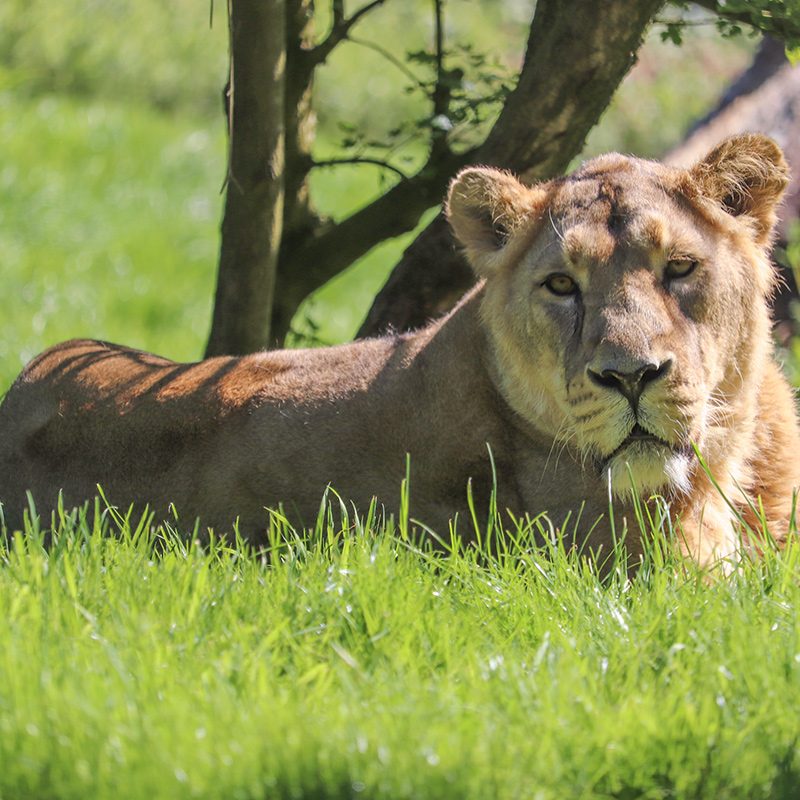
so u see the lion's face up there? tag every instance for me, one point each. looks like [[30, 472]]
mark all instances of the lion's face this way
[[627, 302]]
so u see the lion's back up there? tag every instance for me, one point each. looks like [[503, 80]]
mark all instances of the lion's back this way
[[152, 431]]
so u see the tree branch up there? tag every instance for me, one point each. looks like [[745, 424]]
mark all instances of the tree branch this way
[[688, 23], [335, 162], [336, 246], [339, 30], [299, 119], [573, 64], [337, 12], [441, 92], [382, 51], [316, 255], [714, 8], [330, 249]]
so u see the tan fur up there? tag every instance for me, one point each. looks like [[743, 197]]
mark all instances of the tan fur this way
[[514, 370]]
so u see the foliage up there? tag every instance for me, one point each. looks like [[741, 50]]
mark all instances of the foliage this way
[[474, 90], [778, 18], [480, 51], [349, 662]]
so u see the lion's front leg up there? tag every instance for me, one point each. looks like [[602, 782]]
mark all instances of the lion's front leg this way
[[710, 533]]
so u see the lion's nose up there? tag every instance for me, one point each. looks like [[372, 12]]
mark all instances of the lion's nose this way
[[630, 383]]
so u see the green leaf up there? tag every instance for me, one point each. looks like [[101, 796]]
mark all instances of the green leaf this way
[[673, 32]]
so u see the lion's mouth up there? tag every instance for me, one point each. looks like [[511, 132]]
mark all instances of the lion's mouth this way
[[646, 453], [640, 436], [647, 462]]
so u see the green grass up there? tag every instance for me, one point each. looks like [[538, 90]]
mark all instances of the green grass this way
[[352, 664], [107, 227]]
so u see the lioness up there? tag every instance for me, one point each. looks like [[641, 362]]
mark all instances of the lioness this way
[[621, 318]]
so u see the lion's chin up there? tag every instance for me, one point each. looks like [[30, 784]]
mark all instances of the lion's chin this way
[[649, 468]]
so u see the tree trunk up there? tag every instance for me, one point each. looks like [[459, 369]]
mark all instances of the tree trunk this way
[[253, 217], [577, 54], [299, 218], [299, 118]]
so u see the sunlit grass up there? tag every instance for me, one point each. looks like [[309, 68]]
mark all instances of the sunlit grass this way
[[107, 227], [349, 661]]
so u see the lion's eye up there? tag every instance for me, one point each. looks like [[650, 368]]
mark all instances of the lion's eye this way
[[560, 284], [679, 268]]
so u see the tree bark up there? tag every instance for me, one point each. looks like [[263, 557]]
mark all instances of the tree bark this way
[[299, 218], [253, 216], [576, 57], [299, 118]]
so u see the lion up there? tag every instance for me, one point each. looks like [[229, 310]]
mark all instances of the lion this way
[[617, 345]]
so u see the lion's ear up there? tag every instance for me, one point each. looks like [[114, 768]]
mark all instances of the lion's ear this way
[[746, 175], [484, 207]]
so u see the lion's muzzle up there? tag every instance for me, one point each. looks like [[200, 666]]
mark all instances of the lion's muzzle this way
[[631, 382]]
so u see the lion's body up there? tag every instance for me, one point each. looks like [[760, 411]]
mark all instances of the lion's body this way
[[623, 320], [227, 437]]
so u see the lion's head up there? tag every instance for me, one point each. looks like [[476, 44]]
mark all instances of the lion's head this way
[[627, 304]]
